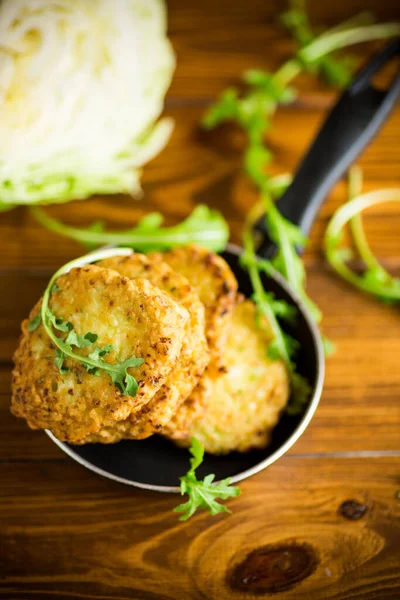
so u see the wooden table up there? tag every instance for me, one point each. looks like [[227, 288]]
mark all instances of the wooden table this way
[[321, 522]]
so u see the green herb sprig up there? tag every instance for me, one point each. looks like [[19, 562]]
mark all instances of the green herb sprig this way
[[336, 71], [204, 226], [94, 363], [283, 346], [34, 323], [374, 279], [203, 494], [253, 111]]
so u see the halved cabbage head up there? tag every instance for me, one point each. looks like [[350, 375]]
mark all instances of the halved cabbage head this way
[[82, 85]]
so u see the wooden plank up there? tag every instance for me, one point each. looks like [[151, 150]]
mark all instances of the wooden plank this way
[[174, 185], [217, 41], [290, 533]]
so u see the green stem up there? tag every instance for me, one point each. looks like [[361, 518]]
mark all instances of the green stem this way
[[361, 20], [163, 237], [279, 183], [387, 291], [79, 262], [356, 224], [258, 289], [328, 43], [289, 271], [287, 72], [382, 291]]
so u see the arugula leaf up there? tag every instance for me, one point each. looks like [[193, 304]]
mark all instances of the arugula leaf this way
[[95, 227], [292, 345], [269, 86], [262, 299], [375, 280], [94, 363], [90, 337], [120, 376], [329, 346], [34, 323], [226, 109], [203, 494], [59, 323], [92, 370], [334, 40], [288, 238], [253, 110], [129, 386], [149, 223], [256, 158], [117, 371], [59, 361], [282, 309], [273, 351], [283, 346], [301, 391], [336, 72], [100, 351], [204, 226], [81, 341]]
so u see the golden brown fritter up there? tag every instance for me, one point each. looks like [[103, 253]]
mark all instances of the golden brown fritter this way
[[246, 402], [134, 316], [193, 358], [190, 411], [216, 286], [195, 406]]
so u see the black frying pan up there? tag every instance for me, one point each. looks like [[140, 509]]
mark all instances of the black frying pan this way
[[155, 463]]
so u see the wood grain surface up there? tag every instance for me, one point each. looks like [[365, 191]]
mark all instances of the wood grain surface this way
[[323, 522], [77, 536]]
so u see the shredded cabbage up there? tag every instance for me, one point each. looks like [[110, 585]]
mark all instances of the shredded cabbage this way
[[82, 84]]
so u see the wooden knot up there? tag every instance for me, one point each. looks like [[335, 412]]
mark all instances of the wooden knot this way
[[352, 510], [274, 568]]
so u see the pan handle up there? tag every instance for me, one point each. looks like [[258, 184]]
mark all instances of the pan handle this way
[[355, 119]]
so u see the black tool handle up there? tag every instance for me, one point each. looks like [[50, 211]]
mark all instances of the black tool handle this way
[[352, 123]]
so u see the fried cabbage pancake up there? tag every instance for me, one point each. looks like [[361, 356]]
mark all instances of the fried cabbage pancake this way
[[194, 355], [190, 411], [134, 316], [245, 403], [216, 286], [195, 406]]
